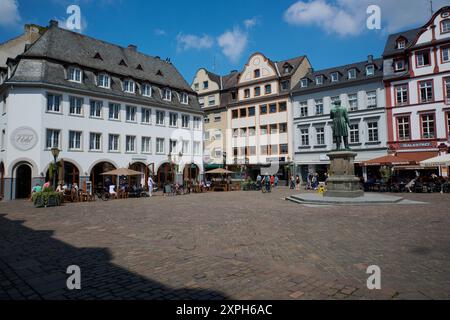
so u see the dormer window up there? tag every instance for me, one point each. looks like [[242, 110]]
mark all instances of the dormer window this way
[[401, 44], [257, 73], [103, 81], [304, 83], [167, 94], [445, 25], [98, 56], [139, 67], [370, 70], [286, 68], [129, 86], [146, 90], [123, 63], [319, 80], [351, 74], [74, 74], [334, 77], [184, 98]]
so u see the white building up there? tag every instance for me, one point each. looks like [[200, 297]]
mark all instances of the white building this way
[[103, 106], [359, 87]]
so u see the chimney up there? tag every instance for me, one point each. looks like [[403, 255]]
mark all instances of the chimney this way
[[53, 23], [132, 47], [370, 58]]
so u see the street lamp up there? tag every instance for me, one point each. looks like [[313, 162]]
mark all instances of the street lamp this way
[[224, 156], [55, 153]]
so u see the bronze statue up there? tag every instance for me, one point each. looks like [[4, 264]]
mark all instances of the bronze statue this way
[[340, 125]]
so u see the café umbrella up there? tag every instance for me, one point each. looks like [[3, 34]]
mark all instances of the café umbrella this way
[[122, 172]]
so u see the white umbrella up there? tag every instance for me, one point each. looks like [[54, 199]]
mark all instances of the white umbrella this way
[[440, 161]]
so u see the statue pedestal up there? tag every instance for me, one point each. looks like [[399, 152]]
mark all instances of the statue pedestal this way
[[342, 182]]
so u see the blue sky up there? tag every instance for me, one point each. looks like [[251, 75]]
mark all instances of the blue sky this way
[[223, 33]]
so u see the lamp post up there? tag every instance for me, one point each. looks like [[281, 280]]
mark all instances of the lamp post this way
[[224, 156], [55, 153]]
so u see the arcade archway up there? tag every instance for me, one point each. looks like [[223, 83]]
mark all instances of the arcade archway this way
[[68, 174], [23, 181], [139, 180], [166, 174], [97, 179], [191, 171]]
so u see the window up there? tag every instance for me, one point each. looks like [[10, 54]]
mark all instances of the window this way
[[113, 143], [304, 83], [197, 122], [205, 84], [211, 100], [371, 99], [114, 111], [167, 94], [284, 149], [403, 128], [370, 70], [197, 148], [264, 150], [445, 54], [426, 91], [206, 136], [53, 102], [146, 145], [146, 115], [75, 106], [130, 144], [129, 86], [95, 141], [146, 90], [257, 73], [235, 133], [319, 80], [103, 81], [304, 137], [96, 109], [235, 152], [172, 146], [372, 129], [352, 74], [196, 86], [257, 91], [401, 94], [185, 119], [173, 119], [272, 108], [131, 113], [233, 95], [282, 107], [399, 65], [263, 130], [74, 74], [274, 149], [243, 132], [160, 118], [247, 93], [185, 147], [354, 133], [353, 102], [423, 58], [235, 114], [320, 136], [74, 140], [283, 127], [303, 109], [217, 117], [184, 98], [334, 77], [251, 111], [263, 109], [427, 126], [273, 128], [243, 112], [201, 102], [447, 90], [218, 134], [252, 150], [268, 89], [251, 131], [52, 138], [217, 152], [445, 26], [401, 44], [160, 145], [285, 85]]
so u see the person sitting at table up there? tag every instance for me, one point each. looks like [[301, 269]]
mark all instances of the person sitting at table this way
[[47, 185], [112, 191], [60, 188], [410, 185]]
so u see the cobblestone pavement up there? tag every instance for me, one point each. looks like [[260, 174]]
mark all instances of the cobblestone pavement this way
[[241, 245]]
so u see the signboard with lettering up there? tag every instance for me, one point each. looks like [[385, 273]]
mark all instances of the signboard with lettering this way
[[416, 145], [24, 138]]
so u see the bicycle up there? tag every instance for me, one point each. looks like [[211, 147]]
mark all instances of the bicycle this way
[[103, 194]]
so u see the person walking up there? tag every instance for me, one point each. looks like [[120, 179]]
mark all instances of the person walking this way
[[272, 181], [259, 182], [297, 183], [150, 183], [276, 180], [292, 183]]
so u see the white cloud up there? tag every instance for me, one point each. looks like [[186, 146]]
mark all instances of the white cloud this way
[[233, 43], [190, 41], [9, 13], [348, 17], [160, 32], [250, 23]]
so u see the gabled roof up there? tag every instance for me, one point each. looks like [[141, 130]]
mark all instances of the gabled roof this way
[[74, 48], [294, 62], [343, 80], [391, 43]]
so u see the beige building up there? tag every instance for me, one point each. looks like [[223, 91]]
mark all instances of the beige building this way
[[249, 114]]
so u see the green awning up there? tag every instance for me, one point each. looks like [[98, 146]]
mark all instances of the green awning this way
[[212, 166]]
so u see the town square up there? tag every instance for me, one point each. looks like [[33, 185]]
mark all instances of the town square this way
[[296, 152]]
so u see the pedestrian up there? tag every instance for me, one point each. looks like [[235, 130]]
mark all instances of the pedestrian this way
[[150, 183], [297, 183], [292, 183], [259, 182], [272, 181], [276, 181], [410, 185]]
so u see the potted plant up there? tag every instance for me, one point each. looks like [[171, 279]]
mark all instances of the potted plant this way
[[47, 198]]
